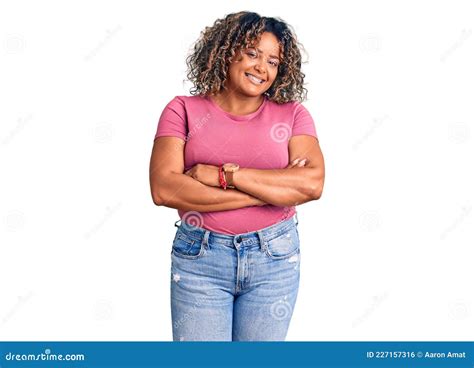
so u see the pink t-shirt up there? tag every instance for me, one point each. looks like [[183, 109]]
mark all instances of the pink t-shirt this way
[[258, 140]]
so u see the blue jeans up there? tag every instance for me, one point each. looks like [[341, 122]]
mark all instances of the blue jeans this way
[[234, 287]]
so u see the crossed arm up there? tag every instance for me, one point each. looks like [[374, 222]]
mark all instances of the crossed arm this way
[[199, 190]]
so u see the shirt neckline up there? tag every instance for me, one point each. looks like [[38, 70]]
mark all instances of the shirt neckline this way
[[237, 117]]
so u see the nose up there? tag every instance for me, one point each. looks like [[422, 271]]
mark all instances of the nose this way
[[260, 68]]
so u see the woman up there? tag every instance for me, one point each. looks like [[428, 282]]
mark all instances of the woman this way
[[235, 158]]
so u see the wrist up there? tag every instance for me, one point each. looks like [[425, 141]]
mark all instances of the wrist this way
[[257, 201], [228, 172], [236, 177]]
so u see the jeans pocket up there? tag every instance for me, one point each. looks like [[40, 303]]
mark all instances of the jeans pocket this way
[[284, 245], [186, 247]]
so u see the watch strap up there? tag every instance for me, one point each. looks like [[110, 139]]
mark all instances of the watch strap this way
[[222, 178], [229, 177]]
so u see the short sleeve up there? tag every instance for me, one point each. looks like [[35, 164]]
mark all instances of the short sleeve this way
[[303, 122], [172, 122]]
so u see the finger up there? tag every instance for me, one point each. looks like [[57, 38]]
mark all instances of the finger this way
[[302, 163], [293, 163]]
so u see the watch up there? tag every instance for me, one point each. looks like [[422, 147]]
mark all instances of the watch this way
[[229, 170]]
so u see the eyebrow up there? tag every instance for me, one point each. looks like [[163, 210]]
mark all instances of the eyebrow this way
[[272, 56]]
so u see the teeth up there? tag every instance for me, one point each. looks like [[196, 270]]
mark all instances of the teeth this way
[[255, 79]]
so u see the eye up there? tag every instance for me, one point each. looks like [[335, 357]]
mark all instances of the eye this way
[[274, 63], [252, 54]]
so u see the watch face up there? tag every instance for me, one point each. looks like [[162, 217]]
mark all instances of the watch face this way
[[231, 167]]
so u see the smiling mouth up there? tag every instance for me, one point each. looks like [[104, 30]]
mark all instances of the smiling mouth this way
[[254, 79]]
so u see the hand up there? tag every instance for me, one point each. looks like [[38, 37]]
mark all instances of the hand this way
[[206, 174], [298, 163]]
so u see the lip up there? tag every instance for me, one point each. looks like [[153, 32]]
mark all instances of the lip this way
[[263, 80]]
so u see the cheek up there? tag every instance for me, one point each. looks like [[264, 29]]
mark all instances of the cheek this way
[[234, 72], [245, 61], [272, 76]]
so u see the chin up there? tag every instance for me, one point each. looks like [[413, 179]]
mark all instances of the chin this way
[[253, 92]]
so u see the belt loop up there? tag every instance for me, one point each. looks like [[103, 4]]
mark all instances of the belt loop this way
[[205, 239], [296, 218], [263, 244], [177, 222]]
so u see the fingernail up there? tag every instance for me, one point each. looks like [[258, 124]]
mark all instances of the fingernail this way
[[302, 162], [295, 161]]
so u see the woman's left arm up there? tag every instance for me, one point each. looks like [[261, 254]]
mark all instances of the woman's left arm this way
[[287, 187], [290, 186]]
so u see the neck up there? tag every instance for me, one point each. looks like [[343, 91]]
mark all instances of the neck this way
[[237, 104]]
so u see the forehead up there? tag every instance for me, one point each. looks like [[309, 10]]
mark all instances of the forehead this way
[[268, 44]]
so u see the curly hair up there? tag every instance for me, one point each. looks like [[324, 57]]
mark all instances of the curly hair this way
[[217, 45]]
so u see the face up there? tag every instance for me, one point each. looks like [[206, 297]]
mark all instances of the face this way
[[256, 70]]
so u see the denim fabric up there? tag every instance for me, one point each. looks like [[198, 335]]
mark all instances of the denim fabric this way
[[234, 287]]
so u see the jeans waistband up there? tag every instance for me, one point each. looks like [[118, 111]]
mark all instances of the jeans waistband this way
[[249, 238]]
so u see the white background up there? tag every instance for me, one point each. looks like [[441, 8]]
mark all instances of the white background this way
[[387, 252]]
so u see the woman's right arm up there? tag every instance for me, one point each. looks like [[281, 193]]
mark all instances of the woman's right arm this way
[[170, 187]]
